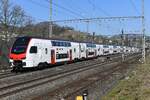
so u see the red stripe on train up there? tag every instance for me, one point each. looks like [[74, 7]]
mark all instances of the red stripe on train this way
[[17, 56]]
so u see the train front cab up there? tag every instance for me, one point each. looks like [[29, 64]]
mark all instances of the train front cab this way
[[38, 53], [18, 53]]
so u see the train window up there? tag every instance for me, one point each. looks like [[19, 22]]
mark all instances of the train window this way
[[33, 49], [57, 44], [60, 44], [105, 46], [114, 46], [91, 53], [57, 56], [74, 49], [20, 45], [69, 44], [46, 51], [53, 43], [22, 41], [66, 44], [91, 45], [63, 43], [61, 56], [18, 49]]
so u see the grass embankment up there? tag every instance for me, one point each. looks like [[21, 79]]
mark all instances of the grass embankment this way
[[134, 87]]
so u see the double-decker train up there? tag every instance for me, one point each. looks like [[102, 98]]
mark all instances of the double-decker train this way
[[29, 52]]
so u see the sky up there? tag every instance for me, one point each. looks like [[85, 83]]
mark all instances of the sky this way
[[72, 9]]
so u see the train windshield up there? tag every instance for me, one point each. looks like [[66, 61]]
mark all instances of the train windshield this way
[[20, 45]]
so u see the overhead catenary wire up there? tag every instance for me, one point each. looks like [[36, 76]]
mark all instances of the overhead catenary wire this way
[[77, 13], [66, 9], [40, 5], [47, 7], [102, 10], [134, 7], [78, 9], [99, 18], [99, 8]]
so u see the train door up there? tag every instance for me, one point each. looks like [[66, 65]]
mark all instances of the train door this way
[[96, 53], [70, 55], [52, 56], [87, 53], [34, 54], [80, 50]]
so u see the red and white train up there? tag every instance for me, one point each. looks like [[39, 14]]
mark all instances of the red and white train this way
[[28, 52]]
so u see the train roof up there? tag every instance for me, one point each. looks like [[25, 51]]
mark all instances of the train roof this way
[[54, 39]]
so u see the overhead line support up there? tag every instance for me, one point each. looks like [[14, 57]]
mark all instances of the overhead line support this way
[[50, 22], [98, 18], [143, 32]]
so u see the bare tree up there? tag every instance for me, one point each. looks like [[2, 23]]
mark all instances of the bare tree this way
[[11, 17], [26, 25]]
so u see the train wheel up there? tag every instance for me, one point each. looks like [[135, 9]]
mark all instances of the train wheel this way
[[41, 66], [15, 69]]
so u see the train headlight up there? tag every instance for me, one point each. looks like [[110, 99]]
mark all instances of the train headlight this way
[[10, 63], [23, 63]]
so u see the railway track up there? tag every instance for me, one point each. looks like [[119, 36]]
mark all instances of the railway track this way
[[76, 88], [8, 73], [103, 76], [5, 91], [67, 90], [17, 87]]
